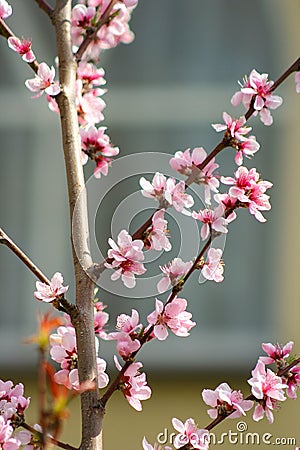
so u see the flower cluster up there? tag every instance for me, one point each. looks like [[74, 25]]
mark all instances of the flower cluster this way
[[257, 92], [12, 401], [64, 351], [190, 435], [127, 334], [250, 191], [173, 317], [226, 402], [125, 257], [43, 81], [167, 192], [96, 145], [185, 162], [133, 384], [156, 236], [173, 272], [235, 132], [48, 293]]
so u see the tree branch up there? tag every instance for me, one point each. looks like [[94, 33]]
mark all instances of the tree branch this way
[[6, 240], [45, 7], [84, 324], [49, 438]]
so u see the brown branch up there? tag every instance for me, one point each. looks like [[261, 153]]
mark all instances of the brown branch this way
[[49, 438], [91, 436], [45, 7], [6, 32], [90, 36], [6, 240]]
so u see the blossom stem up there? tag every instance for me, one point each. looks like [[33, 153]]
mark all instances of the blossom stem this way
[[45, 7], [6, 32], [49, 438], [6, 240], [90, 36]]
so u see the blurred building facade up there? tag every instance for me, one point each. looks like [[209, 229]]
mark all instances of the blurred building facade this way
[[164, 91]]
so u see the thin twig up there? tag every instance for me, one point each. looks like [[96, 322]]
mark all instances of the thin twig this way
[[6, 32], [45, 7], [49, 438], [6, 240]]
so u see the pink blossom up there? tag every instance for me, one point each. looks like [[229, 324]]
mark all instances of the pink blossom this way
[[126, 257], [82, 16], [277, 353], [89, 105], [212, 220], [110, 35], [156, 235], [70, 378], [233, 126], [258, 86], [250, 191], [184, 162], [267, 388], [64, 352], [5, 9], [163, 189], [133, 384], [7, 442], [173, 317], [297, 81], [246, 147], [292, 380], [48, 293], [81, 20], [90, 75], [23, 47], [12, 401], [29, 441], [189, 434], [213, 267], [225, 401], [175, 195], [118, 30], [228, 202], [128, 331], [172, 273], [100, 319], [43, 81], [156, 189], [147, 446], [96, 145]]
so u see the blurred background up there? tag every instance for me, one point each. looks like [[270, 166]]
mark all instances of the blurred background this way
[[164, 91]]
